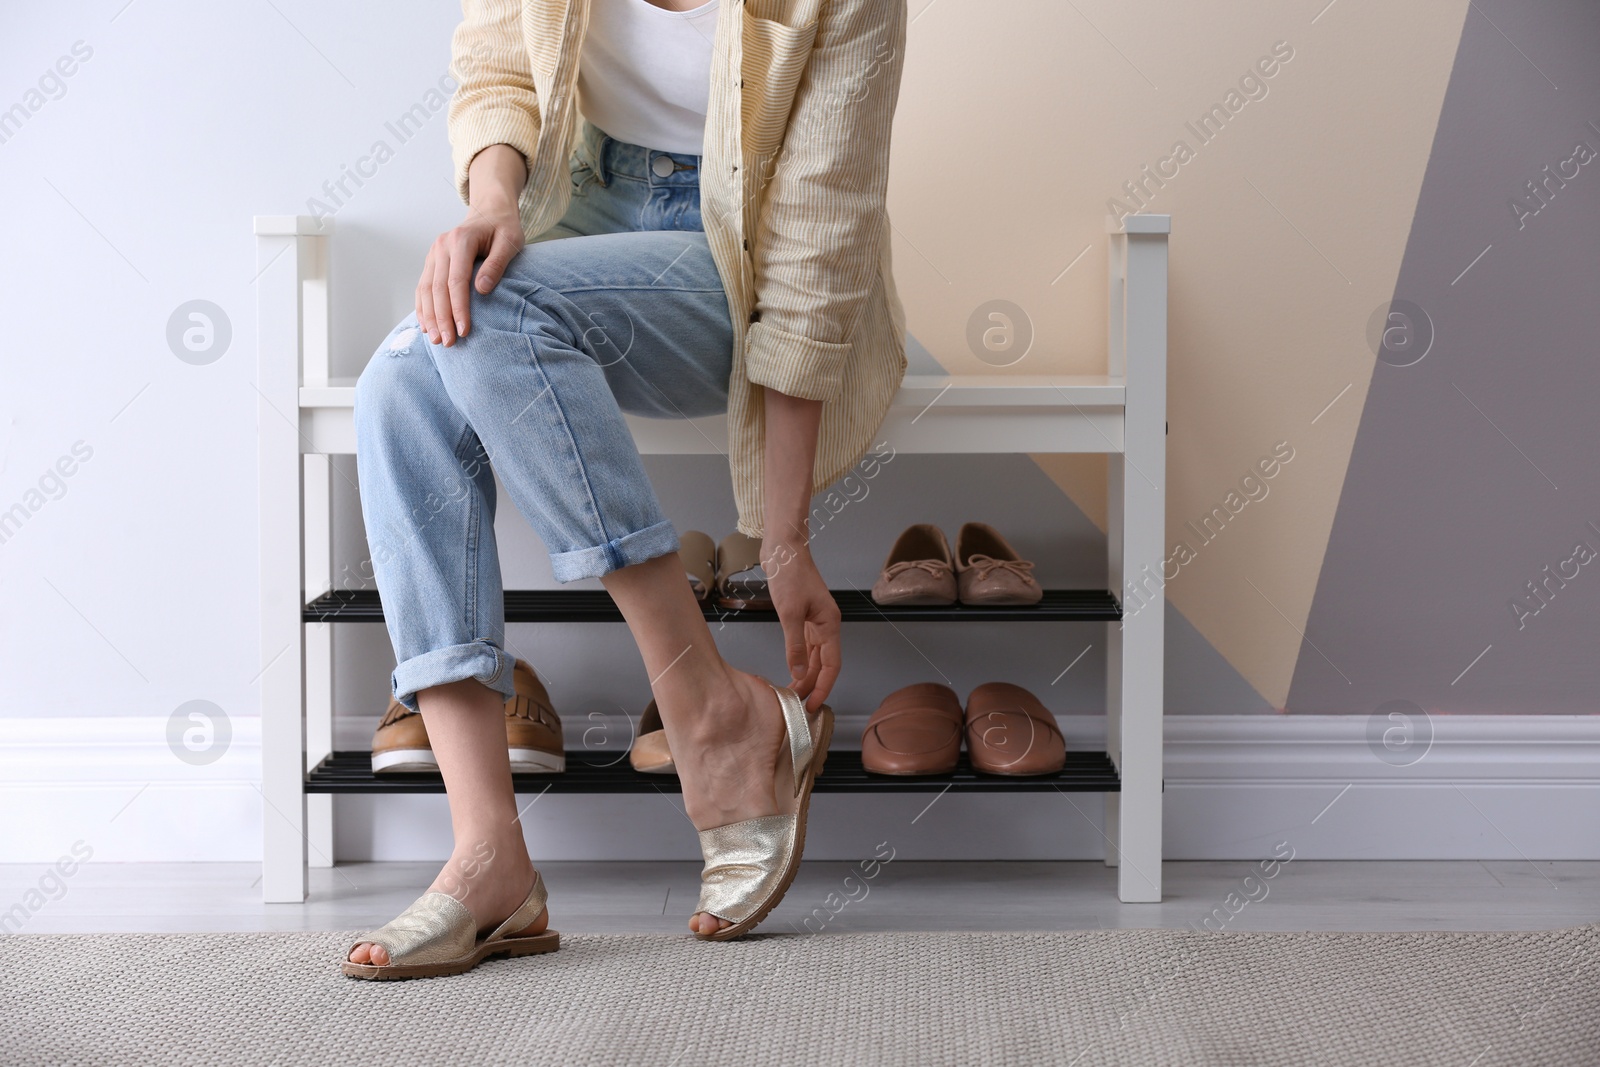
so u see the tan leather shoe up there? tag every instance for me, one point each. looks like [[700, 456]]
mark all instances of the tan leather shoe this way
[[649, 754], [401, 744], [916, 730], [1010, 732], [919, 570], [533, 729], [989, 571]]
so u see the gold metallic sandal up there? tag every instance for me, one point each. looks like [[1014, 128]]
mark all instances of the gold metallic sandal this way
[[750, 864], [437, 936]]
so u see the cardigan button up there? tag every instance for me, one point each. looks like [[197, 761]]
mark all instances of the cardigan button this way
[[755, 316]]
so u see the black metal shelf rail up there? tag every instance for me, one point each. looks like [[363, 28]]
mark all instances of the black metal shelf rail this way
[[609, 772], [595, 605]]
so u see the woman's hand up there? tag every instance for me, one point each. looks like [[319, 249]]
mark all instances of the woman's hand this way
[[492, 229], [809, 616]]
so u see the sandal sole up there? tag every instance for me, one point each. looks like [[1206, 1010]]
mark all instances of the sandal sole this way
[[549, 941]]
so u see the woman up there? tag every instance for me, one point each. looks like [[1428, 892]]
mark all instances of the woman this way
[[769, 120]]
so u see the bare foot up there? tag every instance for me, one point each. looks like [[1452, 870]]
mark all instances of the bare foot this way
[[728, 763], [492, 880]]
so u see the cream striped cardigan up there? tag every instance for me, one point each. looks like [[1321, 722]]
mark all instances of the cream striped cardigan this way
[[792, 190]]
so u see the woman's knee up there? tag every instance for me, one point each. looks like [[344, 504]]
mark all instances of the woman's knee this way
[[512, 329], [387, 383]]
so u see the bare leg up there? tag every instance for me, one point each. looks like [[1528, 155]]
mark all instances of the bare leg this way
[[489, 870], [725, 727]]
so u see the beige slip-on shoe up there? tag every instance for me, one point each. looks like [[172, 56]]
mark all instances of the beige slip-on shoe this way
[[649, 754], [919, 570], [989, 571]]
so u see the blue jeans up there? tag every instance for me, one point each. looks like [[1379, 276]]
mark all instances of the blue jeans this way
[[618, 308]]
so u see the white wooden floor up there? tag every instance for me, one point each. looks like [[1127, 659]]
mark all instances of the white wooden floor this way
[[836, 898]]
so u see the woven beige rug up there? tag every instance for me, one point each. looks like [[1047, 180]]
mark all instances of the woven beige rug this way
[[1085, 999]]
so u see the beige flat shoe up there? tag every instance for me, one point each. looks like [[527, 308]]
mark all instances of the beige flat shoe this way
[[649, 754], [919, 571], [750, 864], [436, 936], [989, 571]]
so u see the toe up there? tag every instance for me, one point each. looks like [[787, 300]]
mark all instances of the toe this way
[[359, 954], [705, 923], [379, 955]]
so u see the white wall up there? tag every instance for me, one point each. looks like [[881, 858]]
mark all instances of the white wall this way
[[126, 197]]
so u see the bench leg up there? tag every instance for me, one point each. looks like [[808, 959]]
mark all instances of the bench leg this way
[[281, 261], [1136, 530], [1113, 834]]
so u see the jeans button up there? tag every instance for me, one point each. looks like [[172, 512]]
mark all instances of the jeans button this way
[[663, 166]]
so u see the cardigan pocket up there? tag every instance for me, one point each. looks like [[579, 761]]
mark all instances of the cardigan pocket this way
[[775, 56]]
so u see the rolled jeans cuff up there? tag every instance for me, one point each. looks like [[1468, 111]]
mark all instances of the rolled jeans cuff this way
[[477, 659], [625, 551]]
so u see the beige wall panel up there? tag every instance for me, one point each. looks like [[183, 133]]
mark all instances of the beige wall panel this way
[[1289, 225], [1083, 478]]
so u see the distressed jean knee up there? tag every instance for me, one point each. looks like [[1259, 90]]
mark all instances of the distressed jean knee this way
[[382, 381]]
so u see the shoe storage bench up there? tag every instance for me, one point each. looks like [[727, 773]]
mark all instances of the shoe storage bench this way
[[305, 416]]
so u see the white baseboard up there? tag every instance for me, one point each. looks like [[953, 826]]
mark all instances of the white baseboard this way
[[113, 783], [1488, 787]]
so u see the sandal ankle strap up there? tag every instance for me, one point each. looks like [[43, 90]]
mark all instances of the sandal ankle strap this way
[[798, 725]]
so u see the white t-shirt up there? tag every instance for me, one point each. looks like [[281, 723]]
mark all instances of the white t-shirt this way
[[644, 74]]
